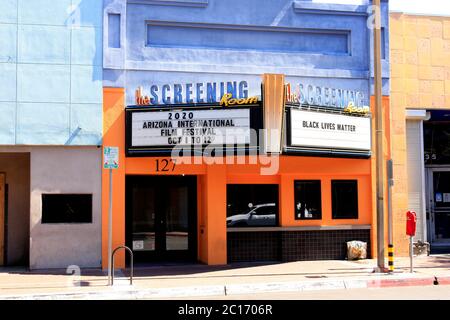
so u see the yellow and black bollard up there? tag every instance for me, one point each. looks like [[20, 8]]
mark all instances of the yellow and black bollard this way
[[390, 174], [391, 257]]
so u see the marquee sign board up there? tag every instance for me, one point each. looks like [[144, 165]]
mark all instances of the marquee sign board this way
[[190, 127], [153, 130], [328, 132]]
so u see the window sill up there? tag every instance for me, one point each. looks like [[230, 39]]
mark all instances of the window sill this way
[[301, 228]]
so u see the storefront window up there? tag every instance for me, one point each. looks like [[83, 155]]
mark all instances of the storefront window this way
[[66, 208], [344, 195], [308, 201], [252, 205], [437, 142]]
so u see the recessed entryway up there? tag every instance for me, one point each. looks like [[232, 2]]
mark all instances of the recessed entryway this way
[[161, 218], [14, 208]]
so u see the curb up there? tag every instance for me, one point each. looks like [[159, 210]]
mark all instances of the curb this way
[[444, 280], [130, 292], [126, 293], [401, 282]]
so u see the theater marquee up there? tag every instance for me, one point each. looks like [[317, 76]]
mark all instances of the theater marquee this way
[[157, 131], [190, 127], [326, 132]]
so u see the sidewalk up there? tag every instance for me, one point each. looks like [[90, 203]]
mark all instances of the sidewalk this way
[[178, 281]]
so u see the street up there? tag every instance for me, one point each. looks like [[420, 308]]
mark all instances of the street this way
[[393, 293]]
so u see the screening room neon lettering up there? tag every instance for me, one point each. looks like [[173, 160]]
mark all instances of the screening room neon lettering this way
[[227, 100], [323, 96], [200, 92]]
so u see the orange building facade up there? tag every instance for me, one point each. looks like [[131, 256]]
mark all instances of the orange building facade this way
[[211, 240], [290, 83]]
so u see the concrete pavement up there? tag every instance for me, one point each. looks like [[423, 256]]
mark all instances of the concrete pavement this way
[[181, 281], [389, 293]]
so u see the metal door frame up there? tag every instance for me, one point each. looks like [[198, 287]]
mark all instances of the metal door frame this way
[[159, 254], [4, 224], [430, 170]]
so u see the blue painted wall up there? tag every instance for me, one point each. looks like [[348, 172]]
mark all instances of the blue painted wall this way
[[51, 72], [324, 43], [52, 54]]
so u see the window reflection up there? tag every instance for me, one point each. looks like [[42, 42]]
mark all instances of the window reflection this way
[[252, 205], [344, 199], [177, 219], [143, 218], [308, 200]]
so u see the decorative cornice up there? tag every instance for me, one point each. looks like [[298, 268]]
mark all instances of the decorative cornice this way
[[177, 3], [329, 8], [248, 70]]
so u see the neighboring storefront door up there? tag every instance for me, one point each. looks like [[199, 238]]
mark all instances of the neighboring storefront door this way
[[439, 204], [2, 218], [161, 218]]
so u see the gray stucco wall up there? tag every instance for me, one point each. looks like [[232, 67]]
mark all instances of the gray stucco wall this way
[[16, 166], [65, 170]]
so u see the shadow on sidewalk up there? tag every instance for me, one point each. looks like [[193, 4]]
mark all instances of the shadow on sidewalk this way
[[196, 270], [241, 269], [307, 269]]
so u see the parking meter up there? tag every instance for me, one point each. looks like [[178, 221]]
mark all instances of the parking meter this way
[[411, 222]]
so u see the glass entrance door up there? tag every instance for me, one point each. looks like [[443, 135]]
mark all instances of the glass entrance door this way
[[2, 217], [161, 218], [439, 199]]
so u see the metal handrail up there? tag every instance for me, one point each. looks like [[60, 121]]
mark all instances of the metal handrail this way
[[112, 263]]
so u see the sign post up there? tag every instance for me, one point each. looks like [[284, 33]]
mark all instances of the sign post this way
[[411, 250], [390, 174], [379, 135], [411, 222], [110, 161]]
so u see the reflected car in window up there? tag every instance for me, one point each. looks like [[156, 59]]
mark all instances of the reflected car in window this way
[[256, 216]]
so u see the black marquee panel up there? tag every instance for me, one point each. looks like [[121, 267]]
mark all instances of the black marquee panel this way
[[256, 122]]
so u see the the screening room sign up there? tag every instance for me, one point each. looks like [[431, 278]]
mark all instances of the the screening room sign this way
[[328, 130], [190, 127]]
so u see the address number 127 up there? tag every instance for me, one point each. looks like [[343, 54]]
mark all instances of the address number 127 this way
[[164, 165]]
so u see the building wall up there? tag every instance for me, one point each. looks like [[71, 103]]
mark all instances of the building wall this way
[[16, 166], [322, 44], [420, 79], [146, 43], [51, 72], [32, 171], [65, 170]]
